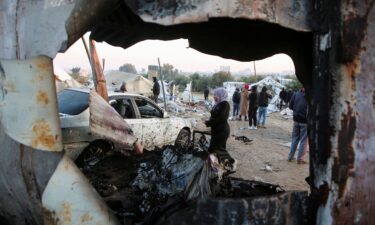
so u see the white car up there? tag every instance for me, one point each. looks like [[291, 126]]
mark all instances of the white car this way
[[150, 124]]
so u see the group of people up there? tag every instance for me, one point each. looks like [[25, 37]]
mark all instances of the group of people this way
[[246, 105], [220, 128]]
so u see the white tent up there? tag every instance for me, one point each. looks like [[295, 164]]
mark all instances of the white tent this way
[[231, 87], [276, 88], [134, 83], [63, 80]]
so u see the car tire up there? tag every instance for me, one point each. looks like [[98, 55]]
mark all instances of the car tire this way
[[92, 154], [183, 140]]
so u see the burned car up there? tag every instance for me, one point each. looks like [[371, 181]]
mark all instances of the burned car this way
[[149, 123]]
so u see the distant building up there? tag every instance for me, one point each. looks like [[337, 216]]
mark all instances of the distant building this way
[[225, 68], [153, 71]]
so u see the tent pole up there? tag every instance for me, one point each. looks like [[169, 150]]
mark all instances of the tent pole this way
[[162, 86]]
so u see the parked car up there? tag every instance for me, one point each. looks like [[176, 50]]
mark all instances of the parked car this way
[[149, 123]]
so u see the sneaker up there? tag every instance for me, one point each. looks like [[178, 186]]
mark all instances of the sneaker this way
[[301, 162], [250, 128], [255, 128]]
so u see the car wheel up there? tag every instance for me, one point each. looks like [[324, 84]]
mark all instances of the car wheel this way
[[92, 154], [183, 140]]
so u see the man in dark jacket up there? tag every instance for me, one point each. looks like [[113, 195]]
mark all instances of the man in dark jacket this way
[[263, 104], [282, 96], [206, 92], [253, 107], [299, 106], [236, 98], [156, 89]]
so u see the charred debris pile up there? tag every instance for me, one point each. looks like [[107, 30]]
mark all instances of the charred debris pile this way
[[149, 189]]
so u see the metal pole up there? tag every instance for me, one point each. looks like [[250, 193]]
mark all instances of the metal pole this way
[[86, 48], [162, 85], [97, 72], [255, 71]]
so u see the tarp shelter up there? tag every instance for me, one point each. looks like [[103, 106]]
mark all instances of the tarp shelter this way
[[63, 80], [276, 88], [134, 83], [231, 87]]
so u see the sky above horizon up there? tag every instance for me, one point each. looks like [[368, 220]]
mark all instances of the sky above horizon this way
[[175, 52]]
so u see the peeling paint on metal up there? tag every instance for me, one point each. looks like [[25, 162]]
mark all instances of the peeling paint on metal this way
[[86, 218], [344, 161], [29, 108], [42, 98], [43, 135], [325, 41], [67, 212], [49, 217]]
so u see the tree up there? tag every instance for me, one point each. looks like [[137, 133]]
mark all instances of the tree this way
[[220, 77], [128, 68], [169, 72], [181, 81], [251, 79], [294, 84], [199, 82]]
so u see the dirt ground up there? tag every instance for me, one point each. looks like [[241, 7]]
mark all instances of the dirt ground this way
[[265, 148]]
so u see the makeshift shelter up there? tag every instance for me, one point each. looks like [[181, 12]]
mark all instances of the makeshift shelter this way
[[134, 83], [276, 88], [231, 86], [63, 80]]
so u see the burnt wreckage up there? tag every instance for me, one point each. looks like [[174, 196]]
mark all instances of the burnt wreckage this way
[[330, 43]]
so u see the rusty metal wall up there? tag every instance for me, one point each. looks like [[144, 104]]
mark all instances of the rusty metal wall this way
[[342, 105], [342, 142]]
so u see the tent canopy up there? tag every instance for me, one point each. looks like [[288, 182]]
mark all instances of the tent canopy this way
[[134, 83]]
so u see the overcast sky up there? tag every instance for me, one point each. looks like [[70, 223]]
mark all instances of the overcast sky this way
[[176, 53]]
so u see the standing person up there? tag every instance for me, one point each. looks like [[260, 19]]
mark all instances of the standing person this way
[[263, 104], [171, 91], [220, 129], [236, 98], [282, 96], [299, 106], [156, 89], [289, 95], [244, 102], [253, 107], [206, 92], [123, 87]]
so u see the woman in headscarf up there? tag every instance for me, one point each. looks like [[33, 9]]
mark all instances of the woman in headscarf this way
[[219, 126], [244, 103]]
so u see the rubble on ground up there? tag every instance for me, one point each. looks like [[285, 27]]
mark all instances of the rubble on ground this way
[[139, 189]]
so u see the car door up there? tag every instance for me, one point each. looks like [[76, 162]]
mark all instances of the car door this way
[[153, 124], [125, 107]]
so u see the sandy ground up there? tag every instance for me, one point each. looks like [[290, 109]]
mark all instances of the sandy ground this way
[[266, 148]]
